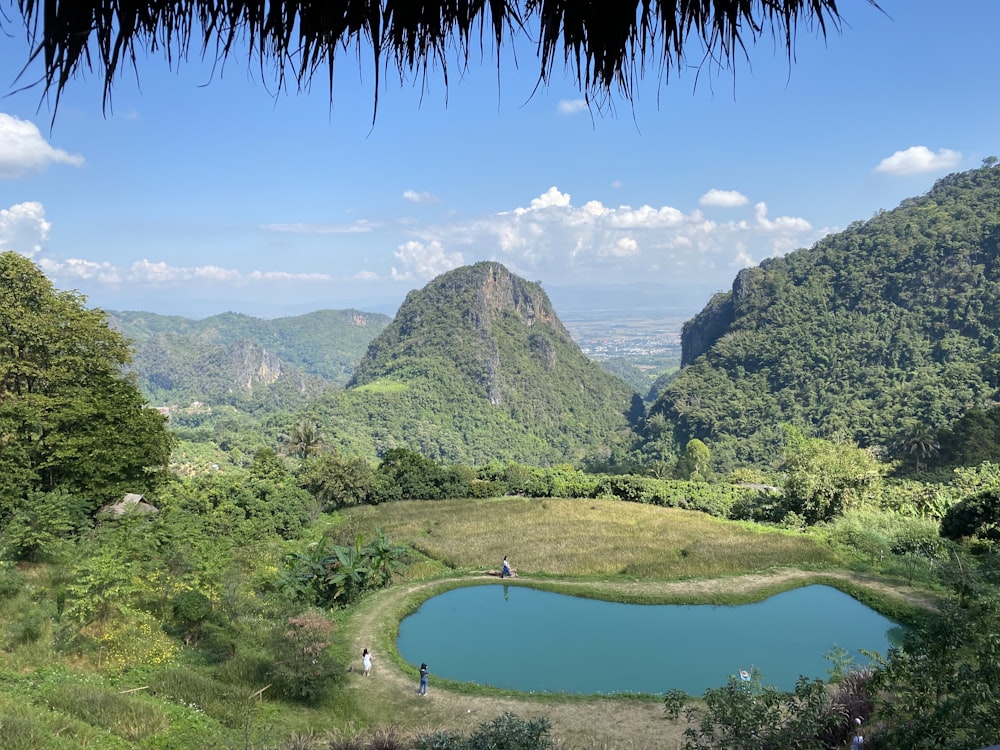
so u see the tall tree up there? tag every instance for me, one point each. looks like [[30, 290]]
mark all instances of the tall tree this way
[[69, 418]]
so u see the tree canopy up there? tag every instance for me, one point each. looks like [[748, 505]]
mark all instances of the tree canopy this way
[[69, 419], [606, 46]]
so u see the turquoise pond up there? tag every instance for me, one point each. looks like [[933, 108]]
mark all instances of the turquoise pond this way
[[521, 638]]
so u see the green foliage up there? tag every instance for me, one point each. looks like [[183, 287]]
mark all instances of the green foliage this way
[[69, 420], [694, 463], [506, 732], [894, 319], [337, 482], [406, 475], [977, 516], [44, 524], [939, 689], [972, 439], [824, 478], [327, 574], [748, 715]]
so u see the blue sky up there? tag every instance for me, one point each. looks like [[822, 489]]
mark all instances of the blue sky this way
[[201, 192]]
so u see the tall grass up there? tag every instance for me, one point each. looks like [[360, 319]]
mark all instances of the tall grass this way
[[129, 716], [586, 537]]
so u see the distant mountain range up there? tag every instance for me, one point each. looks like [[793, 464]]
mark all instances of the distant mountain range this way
[[245, 361]]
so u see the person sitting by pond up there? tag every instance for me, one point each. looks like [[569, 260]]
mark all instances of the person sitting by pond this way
[[422, 690], [505, 571]]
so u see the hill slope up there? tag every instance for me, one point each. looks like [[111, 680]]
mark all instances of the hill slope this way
[[242, 360], [477, 367], [891, 321]]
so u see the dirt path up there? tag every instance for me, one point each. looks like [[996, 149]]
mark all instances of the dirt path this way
[[388, 695]]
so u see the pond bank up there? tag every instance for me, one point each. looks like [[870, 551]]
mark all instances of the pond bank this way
[[588, 723]]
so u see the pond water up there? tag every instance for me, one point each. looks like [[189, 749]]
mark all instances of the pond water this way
[[524, 639]]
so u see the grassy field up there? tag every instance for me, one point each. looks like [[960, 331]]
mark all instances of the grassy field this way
[[585, 538]]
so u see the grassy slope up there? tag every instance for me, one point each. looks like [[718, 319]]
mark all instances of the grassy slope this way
[[589, 538]]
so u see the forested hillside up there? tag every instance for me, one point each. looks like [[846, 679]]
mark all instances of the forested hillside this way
[[476, 367], [243, 361], [889, 326]]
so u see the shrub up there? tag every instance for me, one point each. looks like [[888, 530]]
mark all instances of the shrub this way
[[977, 516], [506, 732], [302, 668]]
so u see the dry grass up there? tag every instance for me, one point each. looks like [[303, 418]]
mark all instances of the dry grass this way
[[589, 538]]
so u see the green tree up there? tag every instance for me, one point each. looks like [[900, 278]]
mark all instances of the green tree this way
[[976, 516], [824, 478], [69, 419], [303, 440], [694, 464], [919, 442], [44, 524], [940, 689], [338, 482]]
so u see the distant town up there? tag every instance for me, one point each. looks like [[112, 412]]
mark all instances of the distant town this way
[[650, 341]]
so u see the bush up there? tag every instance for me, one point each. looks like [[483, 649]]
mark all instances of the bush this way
[[302, 668], [506, 732], [977, 516]]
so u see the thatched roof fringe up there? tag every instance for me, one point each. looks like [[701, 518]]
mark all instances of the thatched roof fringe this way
[[605, 43]]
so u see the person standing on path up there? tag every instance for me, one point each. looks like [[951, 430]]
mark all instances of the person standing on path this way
[[366, 662], [505, 570], [422, 690]]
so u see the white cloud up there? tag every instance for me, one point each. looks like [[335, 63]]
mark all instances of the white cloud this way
[[422, 262], [160, 274], [918, 159], [624, 247], [551, 197], [414, 196], [571, 106], [23, 149], [725, 198], [554, 239], [23, 228]]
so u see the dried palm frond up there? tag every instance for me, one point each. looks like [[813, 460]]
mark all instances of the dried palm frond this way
[[605, 43]]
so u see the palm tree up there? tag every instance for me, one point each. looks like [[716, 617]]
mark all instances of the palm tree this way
[[605, 45], [920, 442], [304, 440]]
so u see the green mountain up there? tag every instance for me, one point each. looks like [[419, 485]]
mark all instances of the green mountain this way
[[245, 361], [477, 367], [890, 323]]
